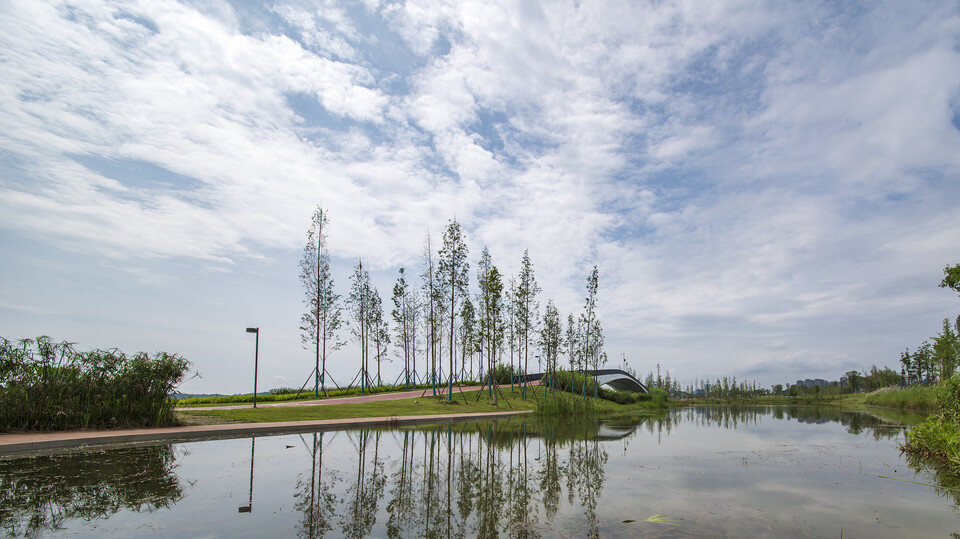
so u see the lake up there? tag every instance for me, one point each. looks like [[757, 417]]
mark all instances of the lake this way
[[775, 471]]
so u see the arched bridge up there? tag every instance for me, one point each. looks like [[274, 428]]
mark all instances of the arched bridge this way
[[615, 378]]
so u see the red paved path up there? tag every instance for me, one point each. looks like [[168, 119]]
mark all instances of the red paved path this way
[[337, 400]]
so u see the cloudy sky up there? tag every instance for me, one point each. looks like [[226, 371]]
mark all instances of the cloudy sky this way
[[770, 190]]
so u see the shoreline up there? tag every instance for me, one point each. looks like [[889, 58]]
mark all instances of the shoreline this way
[[15, 444]]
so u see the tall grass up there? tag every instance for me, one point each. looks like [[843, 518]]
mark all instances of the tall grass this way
[[918, 397], [564, 404], [45, 385]]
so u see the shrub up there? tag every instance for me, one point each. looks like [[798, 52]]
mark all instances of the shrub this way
[[566, 405], [48, 385], [502, 373]]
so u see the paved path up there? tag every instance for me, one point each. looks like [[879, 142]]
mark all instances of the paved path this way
[[318, 402], [338, 400], [19, 443]]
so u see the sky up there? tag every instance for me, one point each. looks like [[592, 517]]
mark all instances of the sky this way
[[770, 190]]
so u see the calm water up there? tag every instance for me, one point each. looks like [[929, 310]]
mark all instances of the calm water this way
[[714, 471]]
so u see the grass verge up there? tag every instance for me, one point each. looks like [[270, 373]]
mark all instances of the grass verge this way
[[306, 395], [561, 404], [467, 403]]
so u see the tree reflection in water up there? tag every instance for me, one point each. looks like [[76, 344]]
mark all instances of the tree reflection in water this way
[[42, 493], [315, 498], [516, 477], [510, 476], [454, 480]]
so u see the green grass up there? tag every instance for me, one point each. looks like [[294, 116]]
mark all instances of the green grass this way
[[305, 395], [426, 405], [918, 398]]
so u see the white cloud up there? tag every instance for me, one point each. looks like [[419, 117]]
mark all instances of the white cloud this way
[[741, 172]]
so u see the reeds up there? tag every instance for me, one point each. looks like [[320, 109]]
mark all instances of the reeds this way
[[46, 385], [922, 398]]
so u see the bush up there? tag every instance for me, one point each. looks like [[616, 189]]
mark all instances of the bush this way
[[48, 385], [574, 382], [948, 397], [566, 405], [502, 373]]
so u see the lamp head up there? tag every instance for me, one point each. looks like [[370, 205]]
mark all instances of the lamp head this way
[[253, 330]]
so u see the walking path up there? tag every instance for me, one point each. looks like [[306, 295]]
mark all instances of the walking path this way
[[21, 442], [317, 402], [340, 400]]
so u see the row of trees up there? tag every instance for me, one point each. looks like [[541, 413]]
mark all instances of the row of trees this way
[[939, 359], [438, 321]]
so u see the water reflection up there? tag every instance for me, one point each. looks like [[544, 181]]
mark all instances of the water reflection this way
[[520, 477], [44, 492], [457, 480], [878, 424]]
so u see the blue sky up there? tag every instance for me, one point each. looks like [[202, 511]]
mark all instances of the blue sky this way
[[770, 190]]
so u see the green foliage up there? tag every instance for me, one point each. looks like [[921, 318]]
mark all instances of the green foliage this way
[[564, 404], [470, 402], [935, 437], [51, 386], [918, 397], [574, 381], [938, 436], [951, 278], [948, 398], [292, 394], [503, 372]]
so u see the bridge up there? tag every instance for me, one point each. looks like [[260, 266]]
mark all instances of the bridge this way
[[615, 378]]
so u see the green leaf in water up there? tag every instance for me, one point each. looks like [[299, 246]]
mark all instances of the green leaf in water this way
[[628, 521], [662, 519]]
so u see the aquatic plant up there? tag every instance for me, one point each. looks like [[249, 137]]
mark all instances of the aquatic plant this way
[[48, 385], [663, 519]]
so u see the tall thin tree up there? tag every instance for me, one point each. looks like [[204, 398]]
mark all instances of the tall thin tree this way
[[491, 327], [455, 277], [379, 330], [467, 331], [526, 311], [430, 296], [321, 323], [551, 339], [359, 301], [402, 318]]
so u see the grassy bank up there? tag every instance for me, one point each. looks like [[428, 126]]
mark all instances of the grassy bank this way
[[301, 396], [560, 404], [45, 385], [938, 436], [920, 399]]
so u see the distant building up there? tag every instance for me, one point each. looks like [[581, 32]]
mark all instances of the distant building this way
[[816, 382]]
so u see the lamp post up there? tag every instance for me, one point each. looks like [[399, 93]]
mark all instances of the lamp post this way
[[256, 354]]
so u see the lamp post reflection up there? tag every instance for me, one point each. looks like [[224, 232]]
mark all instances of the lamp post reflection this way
[[249, 507]]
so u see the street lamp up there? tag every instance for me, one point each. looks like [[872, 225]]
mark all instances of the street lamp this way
[[256, 353]]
